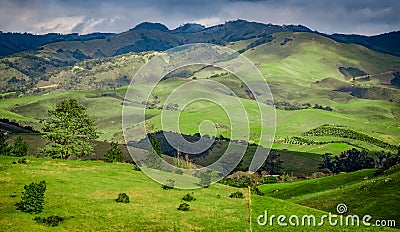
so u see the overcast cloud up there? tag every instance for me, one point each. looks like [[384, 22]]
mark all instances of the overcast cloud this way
[[366, 17]]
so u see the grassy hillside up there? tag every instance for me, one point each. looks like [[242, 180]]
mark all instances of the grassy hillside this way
[[361, 191], [292, 69], [84, 193]]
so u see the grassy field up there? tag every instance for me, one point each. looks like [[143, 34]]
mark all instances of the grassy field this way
[[84, 192]]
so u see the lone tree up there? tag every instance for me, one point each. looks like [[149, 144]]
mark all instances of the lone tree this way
[[20, 147], [69, 131], [114, 154]]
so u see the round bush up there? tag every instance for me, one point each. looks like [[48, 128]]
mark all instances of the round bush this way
[[123, 198], [184, 207]]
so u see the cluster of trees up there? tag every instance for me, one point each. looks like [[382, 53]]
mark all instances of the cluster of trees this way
[[354, 160], [242, 179], [338, 131], [348, 161], [19, 149], [286, 105], [304, 141]]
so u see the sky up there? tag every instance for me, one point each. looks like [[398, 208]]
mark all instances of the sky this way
[[366, 17]]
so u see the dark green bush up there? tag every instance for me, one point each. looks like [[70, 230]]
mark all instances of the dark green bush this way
[[22, 161], [257, 191], [49, 221], [123, 198], [32, 200], [188, 197], [135, 167], [184, 207], [236, 195]]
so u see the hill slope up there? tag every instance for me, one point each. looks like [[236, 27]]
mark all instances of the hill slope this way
[[360, 191]]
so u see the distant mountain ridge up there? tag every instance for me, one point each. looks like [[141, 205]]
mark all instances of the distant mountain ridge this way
[[11, 43], [385, 43], [149, 36]]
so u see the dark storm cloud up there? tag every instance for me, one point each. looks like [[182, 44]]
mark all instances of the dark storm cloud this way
[[361, 17]]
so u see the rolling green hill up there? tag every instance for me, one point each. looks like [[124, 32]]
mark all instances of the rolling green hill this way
[[301, 68], [84, 193], [362, 192]]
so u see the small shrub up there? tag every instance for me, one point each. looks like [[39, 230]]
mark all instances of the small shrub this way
[[236, 195], [49, 221], [22, 161], [123, 198], [257, 191], [32, 199], [188, 197], [184, 207], [135, 167]]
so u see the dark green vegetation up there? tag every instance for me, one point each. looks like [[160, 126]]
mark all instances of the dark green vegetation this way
[[50, 220], [123, 198], [114, 154], [184, 207], [11, 43], [188, 197], [69, 131], [20, 147], [348, 161], [32, 198], [236, 195]]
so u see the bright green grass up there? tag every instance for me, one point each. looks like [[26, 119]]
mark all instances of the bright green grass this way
[[280, 207], [378, 197], [360, 191], [357, 114], [84, 192], [290, 70], [298, 189]]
